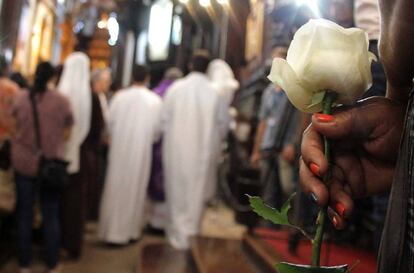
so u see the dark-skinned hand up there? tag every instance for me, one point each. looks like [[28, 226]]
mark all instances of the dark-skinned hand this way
[[364, 141]]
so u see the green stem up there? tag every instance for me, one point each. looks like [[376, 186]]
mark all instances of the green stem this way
[[317, 241], [320, 222]]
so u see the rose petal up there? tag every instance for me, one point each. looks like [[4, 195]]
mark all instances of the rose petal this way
[[283, 75], [325, 56]]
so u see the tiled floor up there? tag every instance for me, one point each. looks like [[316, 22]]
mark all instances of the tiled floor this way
[[218, 222], [98, 258]]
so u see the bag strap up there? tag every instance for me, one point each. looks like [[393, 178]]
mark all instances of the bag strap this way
[[36, 122]]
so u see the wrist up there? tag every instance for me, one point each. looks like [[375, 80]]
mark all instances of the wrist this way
[[398, 93]]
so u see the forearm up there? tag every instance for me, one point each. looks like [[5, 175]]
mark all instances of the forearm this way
[[396, 46]]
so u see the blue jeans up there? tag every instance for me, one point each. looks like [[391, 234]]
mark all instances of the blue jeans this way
[[27, 191], [270, 181]]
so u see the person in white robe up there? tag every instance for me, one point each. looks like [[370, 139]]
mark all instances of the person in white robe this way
[[75, 85], [191, 126], [223, 80], [134, 126]]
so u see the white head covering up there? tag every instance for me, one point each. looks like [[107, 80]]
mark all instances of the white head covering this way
[[222, 77], [75, 85]]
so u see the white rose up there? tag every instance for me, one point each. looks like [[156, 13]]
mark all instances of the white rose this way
[[324, 56]]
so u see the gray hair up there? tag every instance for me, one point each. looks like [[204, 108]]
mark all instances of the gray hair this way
[[97, 73], [173, 73]]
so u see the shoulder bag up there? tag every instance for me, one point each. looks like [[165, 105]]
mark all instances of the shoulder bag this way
[[52, 173]]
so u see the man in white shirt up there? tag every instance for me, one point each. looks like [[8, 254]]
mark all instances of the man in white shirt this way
[[134, 126], [191, 125]]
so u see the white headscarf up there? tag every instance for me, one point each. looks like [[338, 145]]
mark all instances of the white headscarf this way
[[222, 77], [75, 85]]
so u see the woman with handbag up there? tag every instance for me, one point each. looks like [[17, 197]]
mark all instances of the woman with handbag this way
[[43, 121]]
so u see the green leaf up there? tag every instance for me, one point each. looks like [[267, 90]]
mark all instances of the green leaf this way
[[278, 217], [297, 268], [317, 99]]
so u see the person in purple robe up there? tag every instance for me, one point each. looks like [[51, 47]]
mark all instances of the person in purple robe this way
[[156, 183], [171, 75]]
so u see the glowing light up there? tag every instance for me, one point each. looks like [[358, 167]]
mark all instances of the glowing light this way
[[159, 30], [178, 9], [184, 1], [177, 30], [113, 29], [8, 54], [102, 24], [223, 2], [37, 30], [312, 4], [204, 3]]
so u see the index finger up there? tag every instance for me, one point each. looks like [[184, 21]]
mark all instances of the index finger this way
[[312, 150]]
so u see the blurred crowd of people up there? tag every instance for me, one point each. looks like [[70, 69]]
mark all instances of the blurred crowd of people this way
[[134, 157], [139, 156]]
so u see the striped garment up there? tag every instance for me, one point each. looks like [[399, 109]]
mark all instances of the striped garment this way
[[397, 245], [410, 180]]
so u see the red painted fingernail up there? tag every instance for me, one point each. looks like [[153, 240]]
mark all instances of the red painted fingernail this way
[[335, 222], [315, 169], [340, 208], [324, 118]]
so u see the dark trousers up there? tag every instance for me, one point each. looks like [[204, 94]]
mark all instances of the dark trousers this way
[[93, 180], [270, 181], [74, 212], [27, 191]]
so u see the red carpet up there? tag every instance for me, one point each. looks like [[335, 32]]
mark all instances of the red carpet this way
[[331, 254]]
